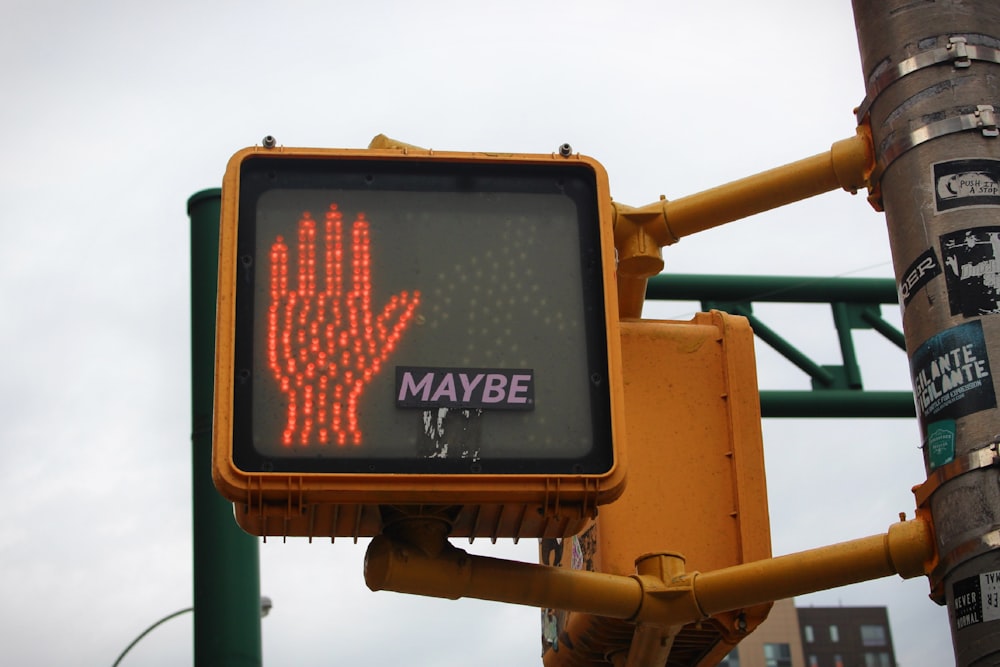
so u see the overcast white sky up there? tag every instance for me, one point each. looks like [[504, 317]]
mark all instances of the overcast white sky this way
[[116, 112]]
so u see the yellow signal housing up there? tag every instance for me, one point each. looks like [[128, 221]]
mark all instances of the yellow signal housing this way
[[411, 333], [696, 484]]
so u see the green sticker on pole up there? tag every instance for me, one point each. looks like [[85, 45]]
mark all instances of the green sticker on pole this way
[[941, 443]]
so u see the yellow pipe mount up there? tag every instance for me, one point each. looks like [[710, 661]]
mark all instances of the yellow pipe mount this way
[[658, 595]]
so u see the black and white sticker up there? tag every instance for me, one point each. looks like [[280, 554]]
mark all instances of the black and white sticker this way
[[918, 274], [976, 599], [966, 182], [971, 260]]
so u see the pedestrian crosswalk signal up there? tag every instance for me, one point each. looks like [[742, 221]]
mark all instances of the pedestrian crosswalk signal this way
[[413, 328]]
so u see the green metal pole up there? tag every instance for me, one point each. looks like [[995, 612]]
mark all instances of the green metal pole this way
[[848, 297], [793, 289], [831, 403], [226, 560]]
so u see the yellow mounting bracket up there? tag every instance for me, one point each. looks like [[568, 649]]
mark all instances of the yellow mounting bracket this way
[[639, 235], [640, 232], [416, 558]]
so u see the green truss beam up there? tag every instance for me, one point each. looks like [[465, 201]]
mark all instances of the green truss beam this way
[[837, 390]]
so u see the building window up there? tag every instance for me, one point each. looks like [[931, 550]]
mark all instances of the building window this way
[[873, 635], [838, 661], [813, 661], [877, 659], [807, 632], [834, 634], [777, 655], [732, 659]]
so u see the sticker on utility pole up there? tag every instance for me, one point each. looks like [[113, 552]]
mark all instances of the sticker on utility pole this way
[[976, 599], [951, 373], [919, 273], [972, 270], [966, 182], [940, 443]]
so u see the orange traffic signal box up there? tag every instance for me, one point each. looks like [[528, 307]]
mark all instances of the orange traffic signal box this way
[[696, 483], [408, 333]]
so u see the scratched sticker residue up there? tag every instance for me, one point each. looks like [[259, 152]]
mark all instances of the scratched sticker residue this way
[[972, 270]]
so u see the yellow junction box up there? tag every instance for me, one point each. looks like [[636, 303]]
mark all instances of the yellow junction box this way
[[696, 484]]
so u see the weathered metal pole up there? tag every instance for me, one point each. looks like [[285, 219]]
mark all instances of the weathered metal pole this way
[[932, 78]]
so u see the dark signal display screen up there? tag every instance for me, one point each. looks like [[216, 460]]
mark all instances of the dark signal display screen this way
[[408, 316]]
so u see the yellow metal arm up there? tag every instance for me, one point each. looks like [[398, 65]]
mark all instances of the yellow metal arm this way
[[382, 141], [454, 573], [640, 232], [907, 549], [658, 595], [846, 165]]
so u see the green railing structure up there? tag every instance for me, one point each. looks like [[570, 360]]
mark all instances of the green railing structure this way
[[837, 391]]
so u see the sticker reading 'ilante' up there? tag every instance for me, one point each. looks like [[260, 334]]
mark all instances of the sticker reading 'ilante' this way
[[324, 343]]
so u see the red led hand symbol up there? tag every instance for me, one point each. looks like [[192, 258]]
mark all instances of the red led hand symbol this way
[[324, 345]]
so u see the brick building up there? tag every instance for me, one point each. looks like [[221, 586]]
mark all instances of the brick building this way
[[846, 637], [817, 637]]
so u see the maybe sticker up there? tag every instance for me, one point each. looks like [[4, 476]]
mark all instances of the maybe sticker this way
[[465, 388]]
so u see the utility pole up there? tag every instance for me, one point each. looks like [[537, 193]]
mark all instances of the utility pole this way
[[932, 79]]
